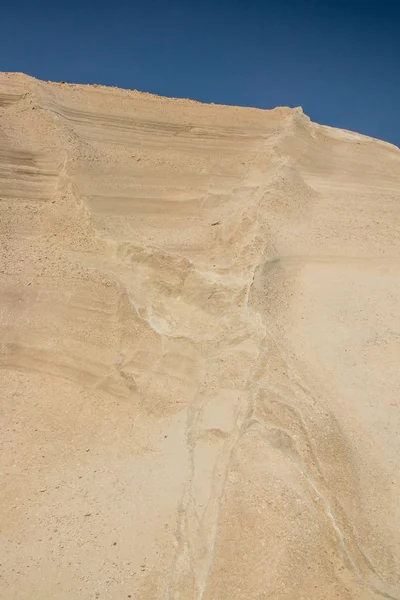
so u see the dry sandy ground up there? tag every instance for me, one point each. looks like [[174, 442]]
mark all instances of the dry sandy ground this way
[[199, 351]]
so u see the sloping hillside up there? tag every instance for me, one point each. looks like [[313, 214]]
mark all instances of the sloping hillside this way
[[199, 352]]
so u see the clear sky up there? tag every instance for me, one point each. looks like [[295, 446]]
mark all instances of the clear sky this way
[[339, 60]]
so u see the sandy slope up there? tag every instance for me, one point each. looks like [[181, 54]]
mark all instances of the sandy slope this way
[[199, 352]]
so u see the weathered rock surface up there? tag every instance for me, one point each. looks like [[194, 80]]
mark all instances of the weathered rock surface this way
[[199, 353]]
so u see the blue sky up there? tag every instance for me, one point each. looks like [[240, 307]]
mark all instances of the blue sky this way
[[340, 60]]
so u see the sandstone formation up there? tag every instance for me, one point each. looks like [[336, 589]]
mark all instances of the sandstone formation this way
[[199, 352]]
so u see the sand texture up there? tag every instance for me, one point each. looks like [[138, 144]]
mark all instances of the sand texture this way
[[199, 351]]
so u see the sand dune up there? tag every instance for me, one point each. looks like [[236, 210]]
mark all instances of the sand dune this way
[[199, 355]]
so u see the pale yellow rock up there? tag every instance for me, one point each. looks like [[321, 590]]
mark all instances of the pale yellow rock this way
[[199, 352]]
